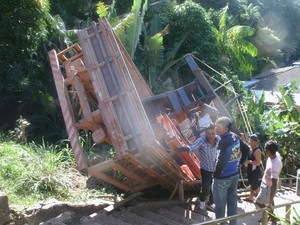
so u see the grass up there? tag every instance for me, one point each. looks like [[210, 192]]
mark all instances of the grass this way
[[32, 173]]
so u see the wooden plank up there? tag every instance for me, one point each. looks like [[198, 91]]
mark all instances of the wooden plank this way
[[84, 103], [141, 117], [63, 52], [112, 181], [77, 48], [169, 163], [102, 93], [77, 56], [64, 59], [66, 111], [164, 172], [155, 175], [85, 123], [128, 137], [101, 167], [129, 174], [122, 146], [116, 62], [181, 191]]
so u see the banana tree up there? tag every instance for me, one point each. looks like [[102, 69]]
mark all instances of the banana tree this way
[[233, 44], [282, 124], [128, 29]]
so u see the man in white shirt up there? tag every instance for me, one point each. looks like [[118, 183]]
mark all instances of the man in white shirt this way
[[270, 178]]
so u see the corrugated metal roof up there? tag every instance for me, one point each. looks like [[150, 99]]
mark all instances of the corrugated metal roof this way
[[269, 81], [272, 79]]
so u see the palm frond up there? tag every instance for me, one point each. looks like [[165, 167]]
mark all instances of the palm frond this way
[[171, 53], [240, 32], [223, 19], [155, 26]]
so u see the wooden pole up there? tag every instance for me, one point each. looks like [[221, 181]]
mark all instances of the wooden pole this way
[[181, 191]]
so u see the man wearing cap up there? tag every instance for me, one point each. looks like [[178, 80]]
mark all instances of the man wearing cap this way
[[253, 167]]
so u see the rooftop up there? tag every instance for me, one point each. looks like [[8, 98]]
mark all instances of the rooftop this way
[[270, 80]]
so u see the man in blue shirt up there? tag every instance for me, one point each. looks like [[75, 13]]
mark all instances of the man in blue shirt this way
[[232, 153], [205, 149]]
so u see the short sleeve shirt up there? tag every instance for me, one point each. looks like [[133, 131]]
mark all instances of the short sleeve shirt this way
[[272, 170]]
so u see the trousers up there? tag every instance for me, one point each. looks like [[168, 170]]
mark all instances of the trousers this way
[[225, 194], [206, 189]]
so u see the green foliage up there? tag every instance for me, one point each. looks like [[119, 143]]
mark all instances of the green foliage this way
[[129, 28], [59, 37], [75, 13], [149, 55], [250, 15], [109, 12], [255, 108], [283, 125], [25, 78], [279, 122], [191, 21], [22, 30], [264, 64], [134, 30], [240, 52], [33, 172], [102, 9], [120, 7]]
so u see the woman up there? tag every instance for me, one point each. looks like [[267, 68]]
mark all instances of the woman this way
[[253, 167]]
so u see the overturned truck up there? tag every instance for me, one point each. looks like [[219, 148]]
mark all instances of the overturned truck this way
[[101, 90]]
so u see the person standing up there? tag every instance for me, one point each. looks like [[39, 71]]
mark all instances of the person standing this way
[[232, 154], [205, 148], [253, 167], [269, 184]]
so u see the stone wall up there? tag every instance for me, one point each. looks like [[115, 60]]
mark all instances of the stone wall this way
[[4, 209]]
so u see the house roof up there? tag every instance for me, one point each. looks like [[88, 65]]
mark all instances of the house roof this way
[[272, 79], [269, 81]]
